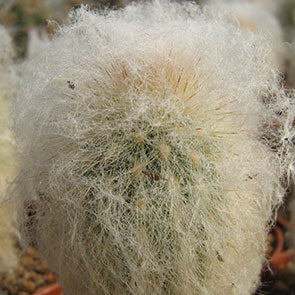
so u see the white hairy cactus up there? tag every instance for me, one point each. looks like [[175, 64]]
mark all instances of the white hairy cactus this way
[[143, 167]]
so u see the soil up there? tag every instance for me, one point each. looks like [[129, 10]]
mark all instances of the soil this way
[[278, 282], [281, 282], [279, 277], [30, 276]]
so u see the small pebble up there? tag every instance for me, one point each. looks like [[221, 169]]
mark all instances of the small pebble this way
[[28, 261], [28, 285], [41, 267], [280, 286], [31, 251], [50, 278], [13, 289], [270, 250], [270, 238]]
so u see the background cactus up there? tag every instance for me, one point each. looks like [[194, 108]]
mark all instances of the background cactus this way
[[143, 165], [8, 257], [258, 17]]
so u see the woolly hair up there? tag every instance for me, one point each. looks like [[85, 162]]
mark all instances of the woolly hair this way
[[256, 18], [281, 137], [143, 168]]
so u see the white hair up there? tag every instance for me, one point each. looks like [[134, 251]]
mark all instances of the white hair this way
[[143, 165]]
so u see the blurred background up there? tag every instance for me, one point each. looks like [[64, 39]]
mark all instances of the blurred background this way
[[30, 25], [23, 16]]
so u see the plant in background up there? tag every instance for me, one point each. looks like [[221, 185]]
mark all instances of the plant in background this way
[[270, 5], [6, 56], [143, 168], [8, 256], [37, 43], [25, 16], [22, 15], [258, 17], [5, 47], [287, 17]]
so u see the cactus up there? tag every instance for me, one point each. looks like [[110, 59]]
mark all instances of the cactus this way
[[143, 168], [8, 255]]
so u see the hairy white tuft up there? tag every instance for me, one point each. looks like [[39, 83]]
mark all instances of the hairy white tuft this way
[[144, 170]]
